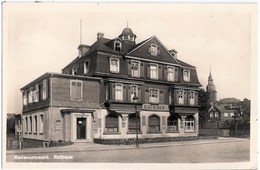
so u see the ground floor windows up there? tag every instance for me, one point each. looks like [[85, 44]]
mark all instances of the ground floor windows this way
[[132, 123], [111, 123], [189, 123], [172, 123], [154, 124]]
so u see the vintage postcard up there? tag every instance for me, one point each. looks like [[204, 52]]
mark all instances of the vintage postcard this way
[[129, 85]]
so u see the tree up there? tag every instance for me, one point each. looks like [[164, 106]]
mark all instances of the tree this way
[[10, 124], [203, 106]]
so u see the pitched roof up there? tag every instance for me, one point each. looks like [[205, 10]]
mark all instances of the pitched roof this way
[[184, 64]]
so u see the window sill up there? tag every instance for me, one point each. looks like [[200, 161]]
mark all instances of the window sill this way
[[172, 131], [40, 133], [154, 132], [133, 132], [190, 132], [111, 133]]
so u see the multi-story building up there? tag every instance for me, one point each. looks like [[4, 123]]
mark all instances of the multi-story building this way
[[99, 92]]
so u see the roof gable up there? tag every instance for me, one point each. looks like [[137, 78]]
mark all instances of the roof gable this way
[[141, 50]]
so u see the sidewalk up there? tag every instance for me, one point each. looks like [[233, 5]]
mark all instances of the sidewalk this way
[[78, 147]]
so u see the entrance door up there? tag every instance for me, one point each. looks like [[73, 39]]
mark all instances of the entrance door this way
[[81, 128]]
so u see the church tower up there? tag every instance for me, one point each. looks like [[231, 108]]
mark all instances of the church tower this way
[[211, 89]]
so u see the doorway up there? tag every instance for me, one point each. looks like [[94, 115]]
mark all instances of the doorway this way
[[81, 128]]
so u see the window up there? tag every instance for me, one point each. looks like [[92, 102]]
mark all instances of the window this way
[[132, 123], [117, 46], [232, 114], [186, 75], [44, 89], [86, 67], [216, 115], [114, 65], [30, 118], [172, 123], [31, 95], [153, 49], [131, 38], [180, 94], [76, 90], [134, 90], [111, 124], [154, 96], [118, 92], [154, 71], [170, 73], [25, 97], [135, 68], [74, 70], [35, 124], [26, 124], [189, 123], [36, 93], [154, 124], [211, 115], [41, 124], [225, 114], [192, 98]]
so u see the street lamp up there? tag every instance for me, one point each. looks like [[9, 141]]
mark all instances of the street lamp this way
[[135, 99]]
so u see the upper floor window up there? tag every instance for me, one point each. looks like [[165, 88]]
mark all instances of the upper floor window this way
[[154, 71], [114, 65], [180, 95], [192, 98], [135, 68], [154, 95], [25, 97], [36, 93], [118, 92], [216, 115], [86, 67], [211, 115], [44, 89], [153, 49], [170, 73], [133, 92], [117, 46], [225, 114], [232, 114], [74, 70], [186, 75], [76, 88]]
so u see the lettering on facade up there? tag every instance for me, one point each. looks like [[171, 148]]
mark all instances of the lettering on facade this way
[[57, 125], [155, 107]]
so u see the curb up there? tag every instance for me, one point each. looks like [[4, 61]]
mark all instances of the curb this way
[[144, 146]]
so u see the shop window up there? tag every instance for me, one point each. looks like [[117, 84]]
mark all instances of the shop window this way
[[132, 123], [170, 73], [154, 124], [186, 75], [189, 124], [135, 68], [118, 92], [154, 95], [154, 71], [114, 65], [111, 123], [172, 123], [76, 90]]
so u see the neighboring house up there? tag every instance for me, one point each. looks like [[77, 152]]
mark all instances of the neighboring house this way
[[94, 95], [219, 112]]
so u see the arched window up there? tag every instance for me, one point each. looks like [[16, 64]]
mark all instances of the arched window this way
[[132, 123], [154, 124], [111, 123], [189, 123], [172, 123]]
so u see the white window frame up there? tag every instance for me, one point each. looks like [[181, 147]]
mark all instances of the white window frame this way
[[180, 95], [152, 94], [86, 66], [135, 64], [154, 72], [114, 65], [170, 73], [186, 77], [81, 90], [153, 49], [115, 45], [119, 92], [190, 128], [192, 97], [134, 89]]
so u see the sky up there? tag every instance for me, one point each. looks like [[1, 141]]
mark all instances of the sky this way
[[43, 37]]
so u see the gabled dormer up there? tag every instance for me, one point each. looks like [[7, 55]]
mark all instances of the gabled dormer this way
[[117, 45]]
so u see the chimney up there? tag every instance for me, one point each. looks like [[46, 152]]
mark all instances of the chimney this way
[[173, 52], [100, 35], [83, 49]]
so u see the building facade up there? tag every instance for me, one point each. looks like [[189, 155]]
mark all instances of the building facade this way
[[99, 93]]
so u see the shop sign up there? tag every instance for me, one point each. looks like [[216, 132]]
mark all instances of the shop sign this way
[[159, 107]]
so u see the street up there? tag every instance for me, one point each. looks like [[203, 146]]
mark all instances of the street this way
[[234, 151]]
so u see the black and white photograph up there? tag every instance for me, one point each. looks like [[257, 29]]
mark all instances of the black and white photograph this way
[[129, 85]]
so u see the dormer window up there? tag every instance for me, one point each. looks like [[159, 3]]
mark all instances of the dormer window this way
[[117, 46], [153, 49], [86, 67], [74, 70], [186, 75]]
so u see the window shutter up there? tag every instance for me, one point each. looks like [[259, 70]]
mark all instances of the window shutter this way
[[160, 72], [113, 91], [141, 69], [148, 71], [129, 68], [161, 97], [147, 94], [124, 93]]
